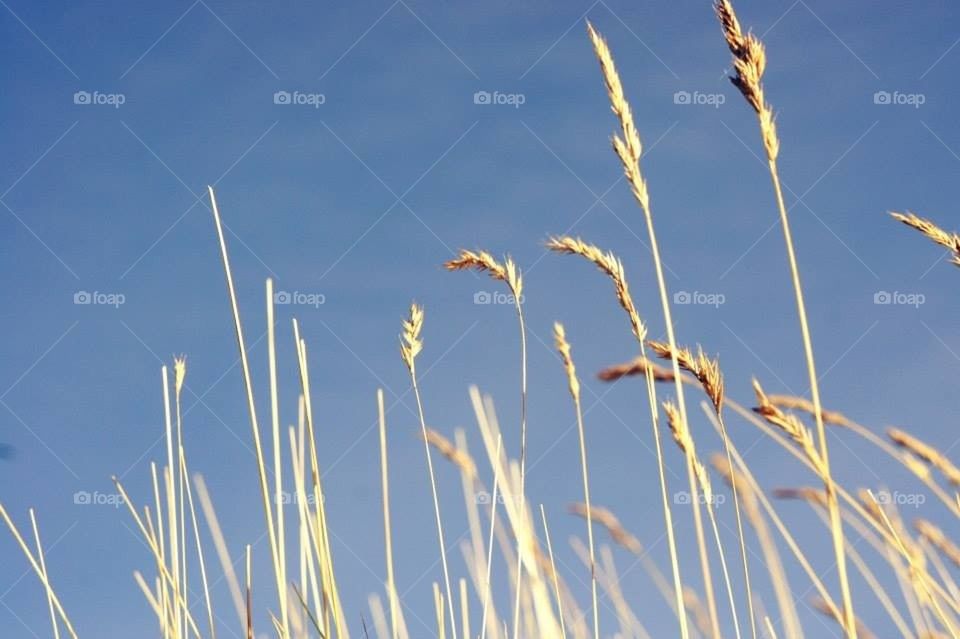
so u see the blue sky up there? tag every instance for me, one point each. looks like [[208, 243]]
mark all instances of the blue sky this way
[[361, 198]]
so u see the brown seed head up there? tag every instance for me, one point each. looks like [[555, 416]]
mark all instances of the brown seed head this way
[[816, 496], [563, 346], [791, 426], [461, 459], [792, 402], [627, 144], [749, 63], [926, 452], [637, 366], [706, 370], [950, 241], [483, 261], [606, 518], [609, 264]]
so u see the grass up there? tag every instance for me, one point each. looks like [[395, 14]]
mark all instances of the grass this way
[[303, 599]]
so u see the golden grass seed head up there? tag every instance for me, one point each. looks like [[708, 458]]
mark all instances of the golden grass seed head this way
[[410, 342], [179, 372]]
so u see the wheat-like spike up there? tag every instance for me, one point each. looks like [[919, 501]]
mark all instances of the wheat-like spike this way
[[606, 518], [950, 241], [933, 534], [636, 366], [410, 342], [749, 63], [681, 435], [678, 428], [563, 347], [484, 261], [611, 265], [791, 426], [706, 370], [179, 372], [454, 455], [926, 452], [627, 145], [792, 402]]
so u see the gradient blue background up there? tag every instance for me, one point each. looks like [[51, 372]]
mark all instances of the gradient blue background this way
[[362, 199]]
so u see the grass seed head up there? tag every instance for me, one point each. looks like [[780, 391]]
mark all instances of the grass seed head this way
[[179, 372], [609, 264], [706, 370], [933, 232], [410, 342], [506, 271]]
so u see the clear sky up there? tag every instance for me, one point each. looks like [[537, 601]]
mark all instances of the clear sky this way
[[352, 154]]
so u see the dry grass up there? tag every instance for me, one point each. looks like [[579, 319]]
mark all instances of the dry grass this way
[[950, 241], [302, 598]]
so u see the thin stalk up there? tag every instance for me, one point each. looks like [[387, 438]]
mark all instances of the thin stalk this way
[[46, 580], [277, 467], [388, 536], [251, 406], [493, 523], [433, 487], [553, 568], [836, 525]]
